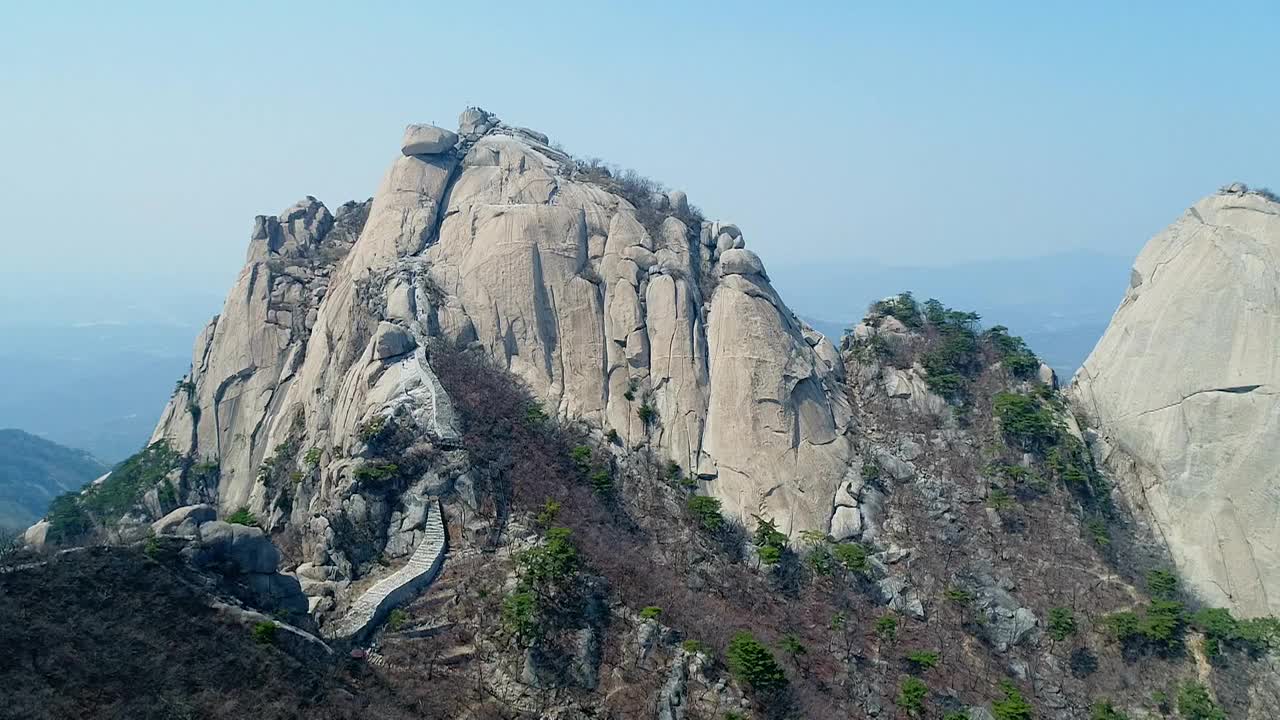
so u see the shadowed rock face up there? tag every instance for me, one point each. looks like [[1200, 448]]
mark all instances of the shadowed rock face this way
[[612, 313], [1183, 387]]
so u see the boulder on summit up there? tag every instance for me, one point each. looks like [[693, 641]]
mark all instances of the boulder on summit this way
[[427, 140]]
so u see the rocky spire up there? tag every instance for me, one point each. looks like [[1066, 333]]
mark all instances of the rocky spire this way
[[613, 300]]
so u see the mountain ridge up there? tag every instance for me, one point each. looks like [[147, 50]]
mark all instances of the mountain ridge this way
[[643, 461]]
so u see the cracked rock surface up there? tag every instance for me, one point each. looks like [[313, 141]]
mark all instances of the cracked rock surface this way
[[1182, 392], [615, 308]]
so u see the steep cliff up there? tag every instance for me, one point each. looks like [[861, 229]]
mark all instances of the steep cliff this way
[[616, 303], [973, 563], [1182, 392]]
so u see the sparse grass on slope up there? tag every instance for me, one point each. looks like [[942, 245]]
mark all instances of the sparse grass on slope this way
[[108, 633]]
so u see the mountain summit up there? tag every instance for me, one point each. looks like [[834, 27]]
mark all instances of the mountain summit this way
[[617, 303]]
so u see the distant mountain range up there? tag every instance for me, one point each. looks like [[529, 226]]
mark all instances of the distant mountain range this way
[[97, 387], [33, 471], [1060, 303], [90, 367]]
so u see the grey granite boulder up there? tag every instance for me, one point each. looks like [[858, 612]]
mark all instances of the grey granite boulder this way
[[474, 121], [898, 594], [245, 548], [900, 470], [1046, 375], [36, 535], [392, 341], [846, 522], [278, 592], [184, 521], [427, 140], [678, 202], [741, 262], [1007, 623]]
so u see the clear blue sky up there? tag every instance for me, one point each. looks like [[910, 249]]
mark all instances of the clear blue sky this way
[[143, 137]]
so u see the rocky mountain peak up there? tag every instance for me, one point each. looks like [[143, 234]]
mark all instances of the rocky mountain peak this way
[[536, 417], [1182, 392], [610, 296]]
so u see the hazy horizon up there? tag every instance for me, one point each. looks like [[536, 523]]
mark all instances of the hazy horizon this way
[[142, 140], [510, 435], [1010, 159]]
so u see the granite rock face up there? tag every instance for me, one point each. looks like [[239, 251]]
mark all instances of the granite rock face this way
[[185, 521], [1182, 393], [247, 549], [564, 284], [617, 307]]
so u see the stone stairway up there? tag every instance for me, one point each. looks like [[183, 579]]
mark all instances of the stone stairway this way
[[450, 657], [424, 393], [435, 633], [444, 422], [371, 608]]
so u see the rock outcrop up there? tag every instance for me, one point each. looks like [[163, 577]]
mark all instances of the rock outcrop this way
[[240, 552], [1182, 393], [248, 355], [617, 305], [628, 317], [427, 140], [939, 465]]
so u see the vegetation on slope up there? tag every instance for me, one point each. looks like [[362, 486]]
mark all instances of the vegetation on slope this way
[[1111, 622], [108, 632], [581, 538], [800, 622], [75, 515]]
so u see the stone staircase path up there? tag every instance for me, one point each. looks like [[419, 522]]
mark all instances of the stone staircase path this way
[[371, 608]]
